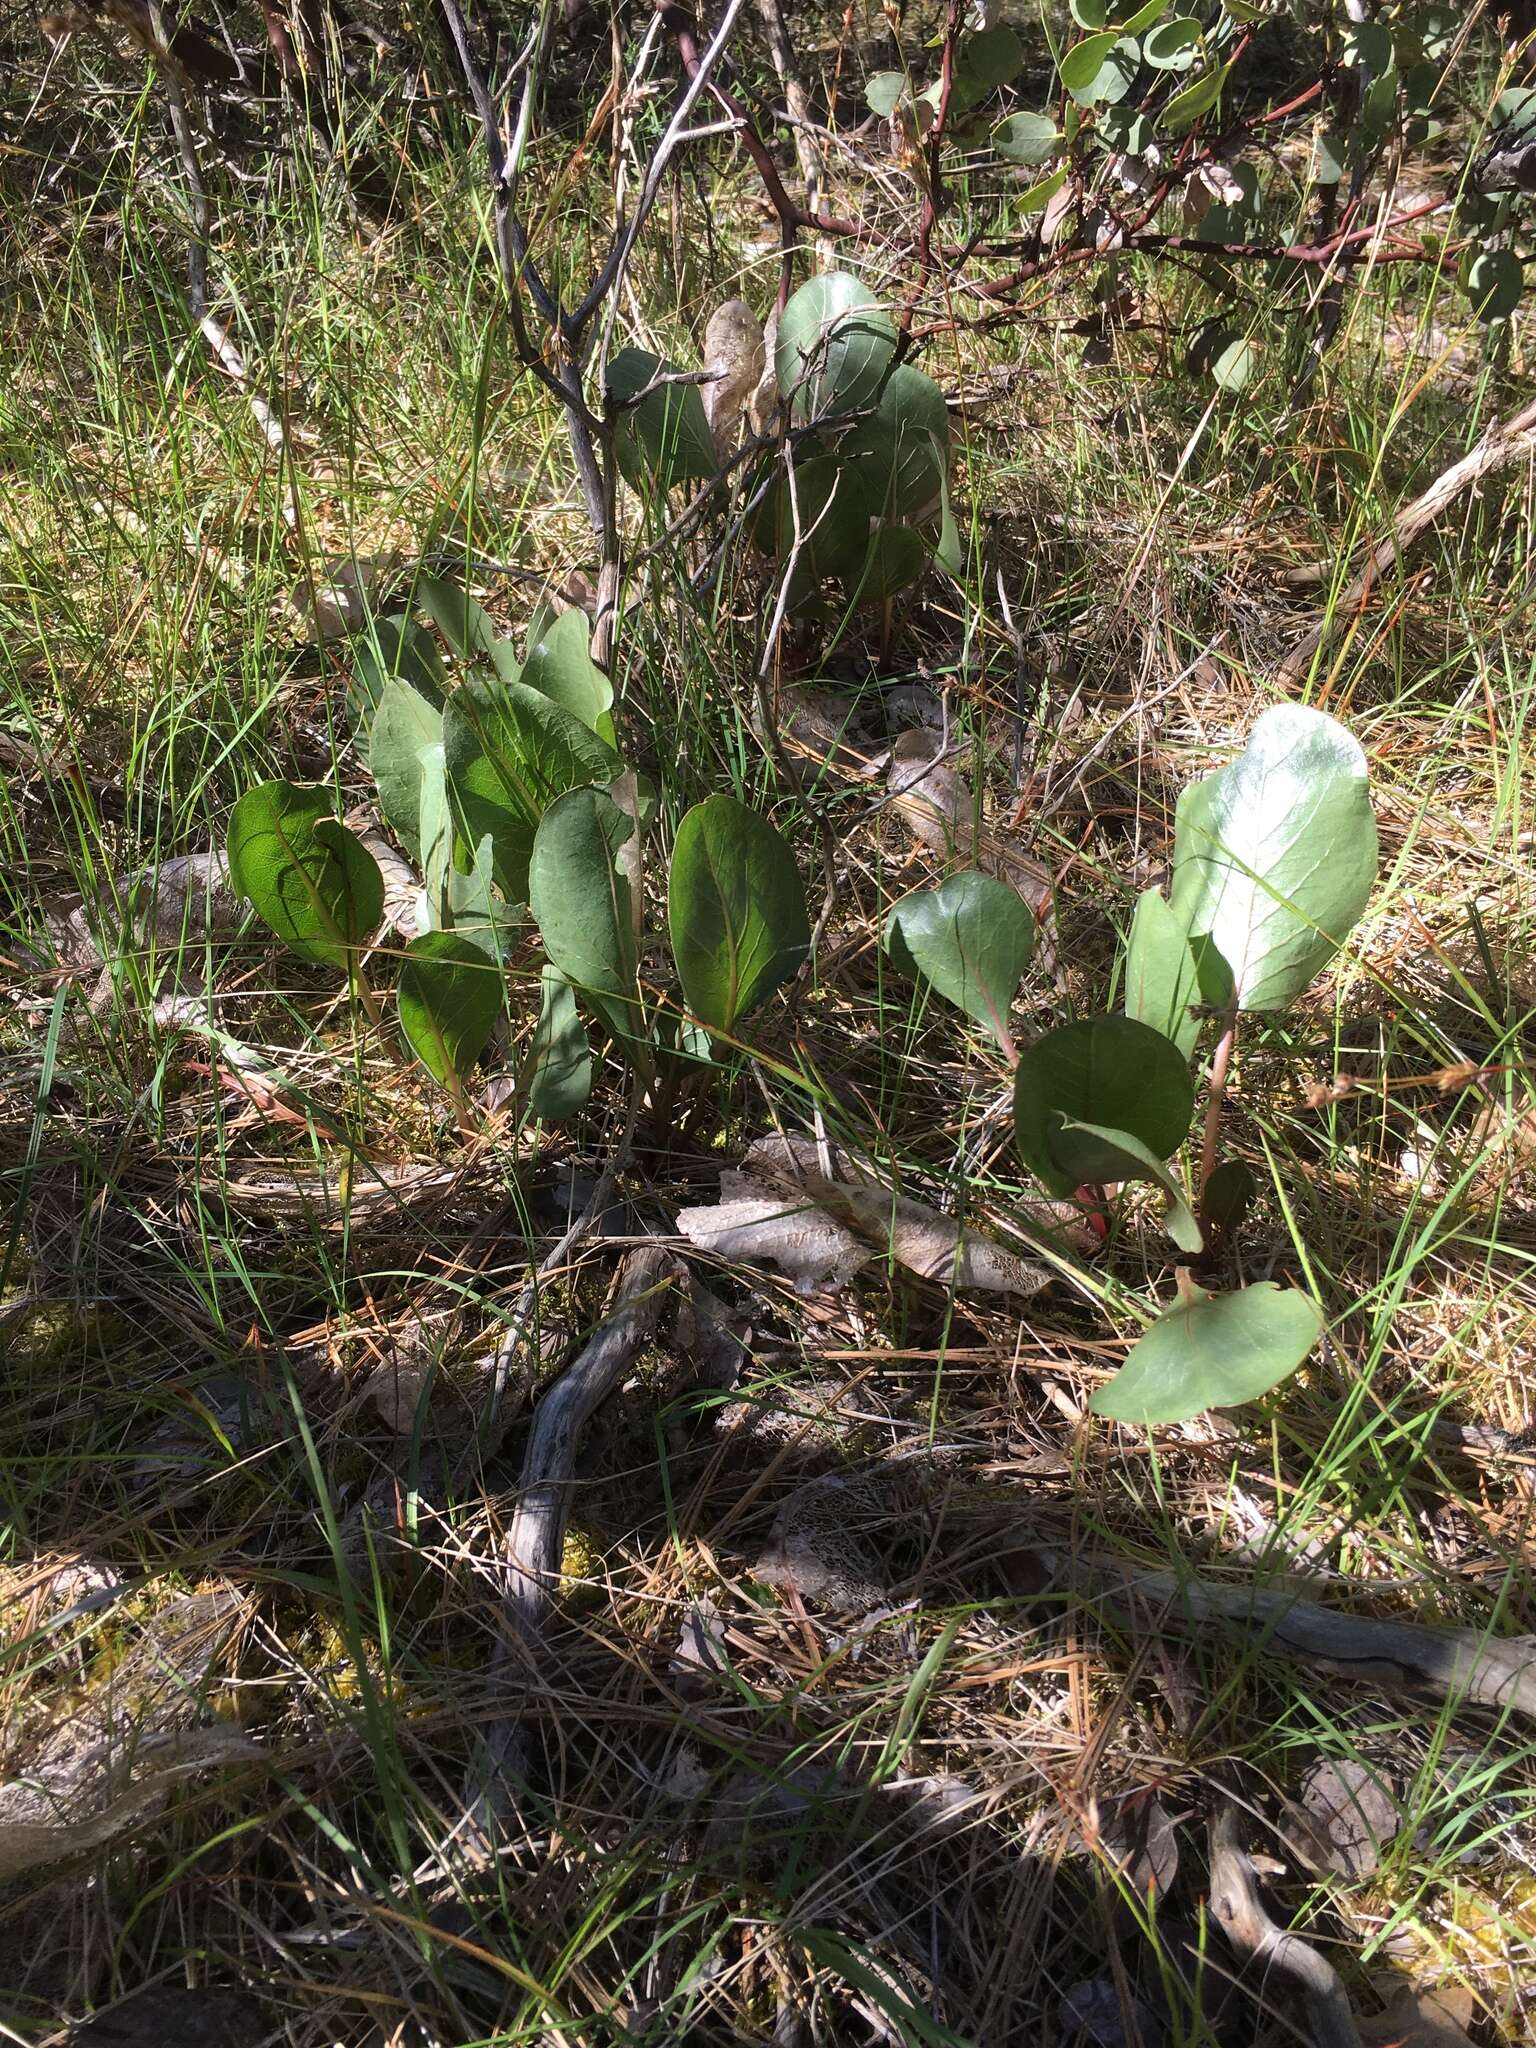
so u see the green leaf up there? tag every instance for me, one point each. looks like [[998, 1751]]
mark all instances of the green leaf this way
[[405, 725], [1275, 854], [1212, 1351], [1090, 13], [1033, 201], [983, 62], [559, 664], [1514, 115], [972, 938], [510, 753], [449, 999], [883, 92], [437, 836], [557, 1072], [830, 501], [1106, 1073], [1234, 369], [1027, 138], [469, 629], [393, 646], [1228, 1195], [1160, 981], [1494, 282], [835, 343], [1100, 70], [580, 895], [1144, 17], [664, 439], [894, 558], [1117, 1155], [736, 911], [1366, 45], [1173, 45], [1193, 100], [1081, 65], [948, 552], [309, 878], [474, 910], [901, 452]]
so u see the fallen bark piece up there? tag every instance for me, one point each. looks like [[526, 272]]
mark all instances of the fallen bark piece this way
[[820, 1229], [1347, 1816], [1423, 2019]]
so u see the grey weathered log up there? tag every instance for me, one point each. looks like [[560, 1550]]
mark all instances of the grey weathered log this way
[[535, 1542], [1458, 1665], [1238, 1909]]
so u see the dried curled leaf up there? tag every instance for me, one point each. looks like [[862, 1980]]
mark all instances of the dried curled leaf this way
[[734, 355]]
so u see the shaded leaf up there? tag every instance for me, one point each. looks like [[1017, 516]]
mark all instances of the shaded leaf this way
[[1212, 1351], [557, 1072], [883, 91], [1275, 854], [405, 725], [393, 646], [510, 752], [469, 629], [972, 938], [663, 439], [1110, 1074], [1173, 45], [1095, 1152], [983, 63], [736, 911], [309, 878], [1228, 1195], [903, 447], [560, 665], [893, 559], [1193, 100], [449, 999], [835, 343], [1100, 70], [580, 895], [1160, 979]]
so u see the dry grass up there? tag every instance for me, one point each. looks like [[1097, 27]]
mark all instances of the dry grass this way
[[750, 1814]]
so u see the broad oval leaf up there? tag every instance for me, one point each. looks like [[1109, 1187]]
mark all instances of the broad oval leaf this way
[[901, 452], [1100, 70], [309, 878], [883, 91], [972, 938], [580, 895], [1027, 138], [834, 345], [557, 1072], [1160, 979], [1495, 283], [559, 664], [405, 726], [510, 752], [1173, 45], [467, 627], [894, 558], [388, 647], [449, 1000], [1111, 1073], [983, 62], [1275, 855], [735, 910], [662, 438], [1212, 1351]]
